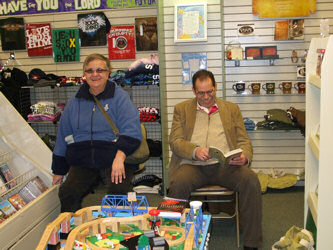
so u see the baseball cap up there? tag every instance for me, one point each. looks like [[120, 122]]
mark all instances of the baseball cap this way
[[35, 75]]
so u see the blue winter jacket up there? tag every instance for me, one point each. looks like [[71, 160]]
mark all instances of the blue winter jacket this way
[[84, 136]]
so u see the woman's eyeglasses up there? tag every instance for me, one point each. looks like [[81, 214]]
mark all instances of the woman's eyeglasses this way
[[98, 71]]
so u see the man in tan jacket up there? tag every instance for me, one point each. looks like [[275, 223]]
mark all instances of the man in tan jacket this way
[[210, 121]]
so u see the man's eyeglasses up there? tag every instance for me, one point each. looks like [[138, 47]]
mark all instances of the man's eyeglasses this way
[[202, 93], [98, 71]]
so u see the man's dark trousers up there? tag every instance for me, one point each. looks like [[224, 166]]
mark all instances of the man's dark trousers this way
[[238, 178]]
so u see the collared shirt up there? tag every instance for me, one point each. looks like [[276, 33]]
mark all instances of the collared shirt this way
[[212, 110]]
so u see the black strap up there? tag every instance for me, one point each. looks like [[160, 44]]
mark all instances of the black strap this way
[[106, 115]]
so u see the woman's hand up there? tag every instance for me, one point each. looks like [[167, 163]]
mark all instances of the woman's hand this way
[[118, 168], [57, 179]]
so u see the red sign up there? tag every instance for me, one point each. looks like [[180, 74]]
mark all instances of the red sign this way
[[39, 39], [121, 42]]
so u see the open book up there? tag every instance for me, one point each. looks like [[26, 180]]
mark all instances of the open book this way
[[224, 159]]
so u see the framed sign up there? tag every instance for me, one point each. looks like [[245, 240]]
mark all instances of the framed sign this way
[[190, 22], [191, 63]]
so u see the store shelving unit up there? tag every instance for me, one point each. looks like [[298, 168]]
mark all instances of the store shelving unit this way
[[318, 162], [149, 96], [47, 94], [27, 157]]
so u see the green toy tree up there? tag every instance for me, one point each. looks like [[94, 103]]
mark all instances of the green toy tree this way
[[143, 242]]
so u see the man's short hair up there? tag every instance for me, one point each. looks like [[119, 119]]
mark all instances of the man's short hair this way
[[202, 75]]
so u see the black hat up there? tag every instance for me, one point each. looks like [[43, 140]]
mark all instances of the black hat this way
[[35, 75], [52, 77]]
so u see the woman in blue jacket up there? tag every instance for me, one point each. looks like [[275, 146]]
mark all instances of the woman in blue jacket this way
[[86, 147]]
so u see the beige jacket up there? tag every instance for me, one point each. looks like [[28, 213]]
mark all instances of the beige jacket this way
[[182, 129]]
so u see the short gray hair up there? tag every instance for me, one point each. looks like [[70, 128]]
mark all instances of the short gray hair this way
[[97, 56]]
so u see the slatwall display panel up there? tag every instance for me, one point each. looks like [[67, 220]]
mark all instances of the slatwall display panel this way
[[176, 91], [274, 149], [67, 20], [221, 31]]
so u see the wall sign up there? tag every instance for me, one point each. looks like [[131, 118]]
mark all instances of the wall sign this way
[[66, 45], [39, 39], [24, 7], [92, 29], [190, 22], [146, 33], [246, 29], [12, 33], [283, 8], [121, 42]]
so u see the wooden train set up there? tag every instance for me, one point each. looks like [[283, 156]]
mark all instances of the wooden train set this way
[[75, 230]]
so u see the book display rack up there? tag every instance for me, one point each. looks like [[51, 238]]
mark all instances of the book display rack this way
[[23, 158]]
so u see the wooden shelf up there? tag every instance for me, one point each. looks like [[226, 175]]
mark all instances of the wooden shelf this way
[[315, 81], [313, 205], [271, 60], [314, 145]]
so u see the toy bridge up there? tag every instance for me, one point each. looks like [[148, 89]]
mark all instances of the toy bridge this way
[[115, 205], [193, 227]]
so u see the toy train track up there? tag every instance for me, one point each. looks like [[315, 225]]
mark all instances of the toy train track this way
[[87, 225]]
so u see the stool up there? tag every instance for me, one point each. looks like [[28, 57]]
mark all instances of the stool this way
[[223, 192]]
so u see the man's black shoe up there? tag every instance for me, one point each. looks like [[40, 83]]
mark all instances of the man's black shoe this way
[[250, 248]]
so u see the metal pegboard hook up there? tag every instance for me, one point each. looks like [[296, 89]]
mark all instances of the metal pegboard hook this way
[[12, 55]]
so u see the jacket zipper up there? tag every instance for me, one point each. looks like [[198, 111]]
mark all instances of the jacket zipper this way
[[91, 135]]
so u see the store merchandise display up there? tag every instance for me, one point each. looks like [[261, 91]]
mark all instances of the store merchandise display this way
[[276, 119], [45, 111], [249, 124], [148, 114], [143, 71], [147, 184], [7, 176], [20, 196]]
